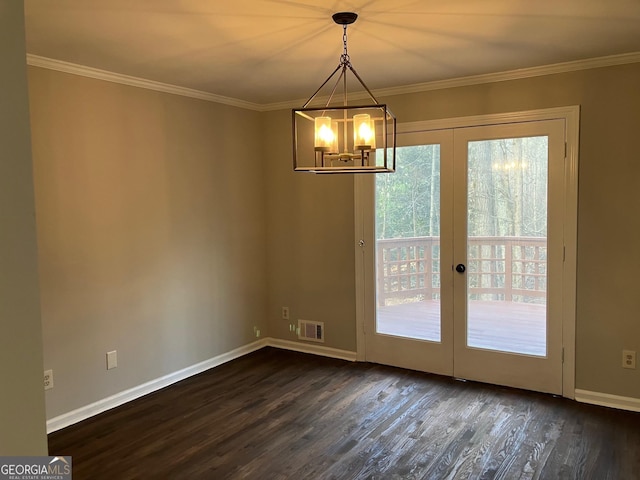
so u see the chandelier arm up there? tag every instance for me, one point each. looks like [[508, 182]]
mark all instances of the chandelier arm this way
[[362, 83], [335, 87], [346, 94], [325, 82]]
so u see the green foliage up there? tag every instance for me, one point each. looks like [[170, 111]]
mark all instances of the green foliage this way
[[507, 187], [507, 190], [408, 201]]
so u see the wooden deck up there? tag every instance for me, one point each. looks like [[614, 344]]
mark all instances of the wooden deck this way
[[495, 325]]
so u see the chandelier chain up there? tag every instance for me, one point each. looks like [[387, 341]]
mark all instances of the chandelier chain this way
[[344, 59]]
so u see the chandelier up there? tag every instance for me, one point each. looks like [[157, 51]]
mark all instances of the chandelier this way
[[336, 137]]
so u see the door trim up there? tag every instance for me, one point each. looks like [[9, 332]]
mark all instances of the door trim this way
[[363, 185]]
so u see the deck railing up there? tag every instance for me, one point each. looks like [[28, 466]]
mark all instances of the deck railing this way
[[498, 268]]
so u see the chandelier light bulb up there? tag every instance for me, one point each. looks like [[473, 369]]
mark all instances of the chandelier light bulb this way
[[325, 134], [363, 131]]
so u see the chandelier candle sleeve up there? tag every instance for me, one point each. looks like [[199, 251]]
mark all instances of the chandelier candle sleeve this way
[[326, 135]]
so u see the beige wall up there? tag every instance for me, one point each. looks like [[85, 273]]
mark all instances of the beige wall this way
[[22, 414], [311, 226], [151, 228], [162, 234], [310, 240]]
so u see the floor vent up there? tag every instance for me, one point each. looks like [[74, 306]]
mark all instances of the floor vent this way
[[313, 331]]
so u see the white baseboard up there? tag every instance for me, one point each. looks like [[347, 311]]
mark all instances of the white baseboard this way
[[608, 400], [118, 399], [313, 349], [75, 416], [121, 398]]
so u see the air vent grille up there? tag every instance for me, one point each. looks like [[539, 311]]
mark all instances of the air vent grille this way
[[313, 331]]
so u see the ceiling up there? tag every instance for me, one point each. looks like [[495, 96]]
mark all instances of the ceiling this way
[[269, 51]]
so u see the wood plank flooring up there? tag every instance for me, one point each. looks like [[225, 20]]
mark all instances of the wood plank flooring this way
[[276, 414]]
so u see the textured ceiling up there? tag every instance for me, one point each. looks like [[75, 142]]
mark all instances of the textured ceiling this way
[[267, 51]]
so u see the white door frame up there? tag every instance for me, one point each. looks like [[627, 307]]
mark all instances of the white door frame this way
[[364, 183]]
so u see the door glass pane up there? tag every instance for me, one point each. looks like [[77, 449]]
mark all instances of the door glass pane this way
[[408, 245], [507, 245]]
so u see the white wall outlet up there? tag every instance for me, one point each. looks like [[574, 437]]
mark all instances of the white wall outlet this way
[[285, 313], [629, 359], [48, 379], [112, 359]]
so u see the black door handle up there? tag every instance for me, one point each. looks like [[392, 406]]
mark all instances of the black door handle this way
[[460, 268]]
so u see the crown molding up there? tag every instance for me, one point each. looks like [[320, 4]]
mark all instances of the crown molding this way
[[556, 68], [81, 70], [587, 64], [519, 74]]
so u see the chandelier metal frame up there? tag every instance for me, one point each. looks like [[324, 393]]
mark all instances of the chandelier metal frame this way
[[372, 126]]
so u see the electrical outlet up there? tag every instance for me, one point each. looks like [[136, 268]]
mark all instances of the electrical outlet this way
[[285, 313], [48, 379], [112, 359], [629, 359]]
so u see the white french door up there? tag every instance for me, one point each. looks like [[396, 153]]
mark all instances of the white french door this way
[[465, 276], [508, 254], [409, 309]]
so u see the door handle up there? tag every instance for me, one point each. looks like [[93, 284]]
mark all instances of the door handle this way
[[460, 268]]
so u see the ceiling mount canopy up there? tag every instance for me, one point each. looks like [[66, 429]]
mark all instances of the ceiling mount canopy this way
[[343, 138], [344, 18]]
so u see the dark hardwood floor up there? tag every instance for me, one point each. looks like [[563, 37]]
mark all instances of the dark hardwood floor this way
[[276, 414]]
